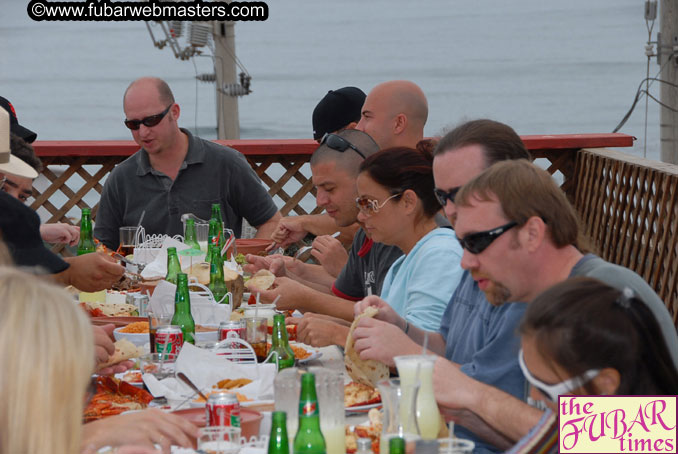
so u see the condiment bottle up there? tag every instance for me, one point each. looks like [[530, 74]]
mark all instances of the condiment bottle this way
[[173, 265], [182, 309], [278, 442], [309, 438], [86, 243], [280, 344]]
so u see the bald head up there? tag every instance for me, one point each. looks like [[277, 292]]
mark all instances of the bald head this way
[[395, 114], [348, 160], [159, 86]]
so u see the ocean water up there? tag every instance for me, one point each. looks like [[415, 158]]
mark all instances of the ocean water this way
[[542, 66]]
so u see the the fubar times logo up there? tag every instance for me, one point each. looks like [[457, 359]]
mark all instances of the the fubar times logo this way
[[617, 424]]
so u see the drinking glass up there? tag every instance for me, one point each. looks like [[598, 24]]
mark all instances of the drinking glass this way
[[329, 387], [399, 413], [219, 439], [127, 240], [155, 321], [418, 369], [256, 331]]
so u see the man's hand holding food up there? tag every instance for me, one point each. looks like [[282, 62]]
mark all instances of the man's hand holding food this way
[[290, 229], [104, 349], [319, 330]]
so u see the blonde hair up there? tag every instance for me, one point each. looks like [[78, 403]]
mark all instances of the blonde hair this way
[[47, 357]]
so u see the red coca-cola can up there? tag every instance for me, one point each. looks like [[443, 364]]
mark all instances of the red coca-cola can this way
[[169, 339], [222, 409], [228, 327]]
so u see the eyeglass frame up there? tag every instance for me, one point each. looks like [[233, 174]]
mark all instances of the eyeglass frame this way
[[345, 143], [136, 124], [444, 196], [485, 235], [558, 389], [374, 205]]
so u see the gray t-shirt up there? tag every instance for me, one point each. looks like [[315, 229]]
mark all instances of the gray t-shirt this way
[[619, 277], [210, 173], [368, 263]]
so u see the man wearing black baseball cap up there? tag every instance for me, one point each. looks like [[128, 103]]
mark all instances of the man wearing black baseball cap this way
[[338, 110], [20, 230], [25, 133]]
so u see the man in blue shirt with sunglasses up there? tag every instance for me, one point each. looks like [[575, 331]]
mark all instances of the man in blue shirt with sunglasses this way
[[176, 172]]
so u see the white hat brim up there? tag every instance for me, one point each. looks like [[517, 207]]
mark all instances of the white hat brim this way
[[18, 167]]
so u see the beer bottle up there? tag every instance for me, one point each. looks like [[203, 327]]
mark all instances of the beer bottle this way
[[216, 215], [280, 344], [309, 438], [278, 442], [86, 243], [213, 237], [182, 309], [190, 236], [173, 265], [396, 445], [217, 285]]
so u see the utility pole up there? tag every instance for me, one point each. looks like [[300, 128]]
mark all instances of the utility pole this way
[[667, 49], [228, 124]]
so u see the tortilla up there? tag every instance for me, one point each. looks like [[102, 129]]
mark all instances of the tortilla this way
[[114, 309], [262, 280], [124, 350], [367, 372]]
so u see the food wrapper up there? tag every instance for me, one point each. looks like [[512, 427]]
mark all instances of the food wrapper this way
[[203, 310], [205, 368]]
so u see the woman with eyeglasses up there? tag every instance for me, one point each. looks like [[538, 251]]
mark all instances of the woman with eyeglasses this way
[[47, 359], [583, 337], [397, 206]]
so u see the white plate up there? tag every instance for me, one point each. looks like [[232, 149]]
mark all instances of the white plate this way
[[120, 375], [363, 408], [315, 353], [194, 404]]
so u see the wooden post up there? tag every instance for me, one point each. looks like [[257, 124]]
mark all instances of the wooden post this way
[[228, 123], [668, 47]]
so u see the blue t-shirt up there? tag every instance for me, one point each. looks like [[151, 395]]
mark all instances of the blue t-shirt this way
[[418, 285], [484, 341]]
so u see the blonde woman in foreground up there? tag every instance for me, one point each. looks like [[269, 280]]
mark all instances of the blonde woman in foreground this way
[[47, 360]]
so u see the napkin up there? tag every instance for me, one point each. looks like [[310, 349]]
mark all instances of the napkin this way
[[203, 310], [205, 368], [158, 267]]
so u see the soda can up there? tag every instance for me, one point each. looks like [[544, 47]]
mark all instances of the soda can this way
[[169, 334], [227, 327], [141, 303], [222, 409]]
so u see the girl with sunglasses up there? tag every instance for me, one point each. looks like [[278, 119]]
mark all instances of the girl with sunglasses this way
[[397, 206], [584, 337]]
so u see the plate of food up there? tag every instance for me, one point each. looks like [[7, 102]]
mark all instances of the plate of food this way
[[360, 398], [133, 377], [227, 384], [114, 397], [303, 353]]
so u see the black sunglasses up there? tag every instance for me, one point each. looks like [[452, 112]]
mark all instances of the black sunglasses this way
[[338, 143], [443, 196], [149, 122], [477, 242]]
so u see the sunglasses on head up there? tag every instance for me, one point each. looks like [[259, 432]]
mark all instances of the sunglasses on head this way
[[149, 122], [477, 242], [443, 196], [338, 143], [553, 391]]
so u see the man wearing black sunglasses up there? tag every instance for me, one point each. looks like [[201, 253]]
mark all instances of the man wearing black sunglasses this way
[[176, 172], [521, 236], [476, 336]]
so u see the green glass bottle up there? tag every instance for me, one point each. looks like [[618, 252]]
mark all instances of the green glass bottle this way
[[396, 445], [278, 442], [309, 438], [213, 234], [173, 265], [182, 309], [86, 243], [190, 235], [217, 285], [216, 215], [280, 344]]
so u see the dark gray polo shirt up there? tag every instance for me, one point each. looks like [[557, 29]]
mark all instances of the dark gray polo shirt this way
[[210, 173]]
